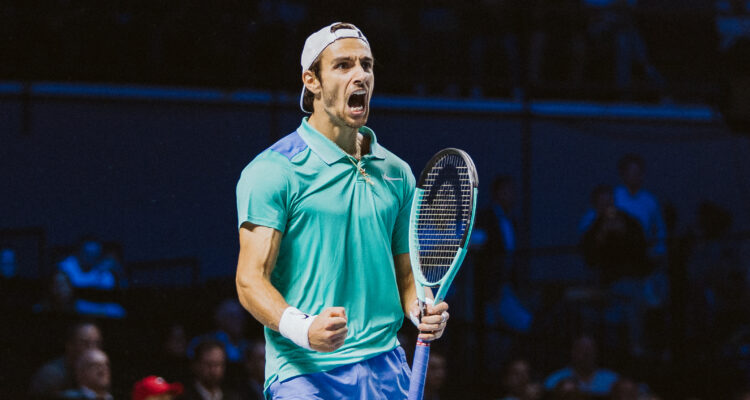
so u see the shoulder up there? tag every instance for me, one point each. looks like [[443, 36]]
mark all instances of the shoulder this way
[[289, 146]]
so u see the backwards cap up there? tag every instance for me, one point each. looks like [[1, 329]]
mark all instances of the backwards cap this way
[[318, 41]]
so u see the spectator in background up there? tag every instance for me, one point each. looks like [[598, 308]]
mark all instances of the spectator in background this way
[[614, 245], [436, 376], [639, 203], [208, 366], [493, 240], [557, 24], [92, 376], [171, 361], [251, 388], [583, 370], [61, 301], [643, 206], [567, 389], [95, 273], [517, 382], [88, 268], [57, 375], [155, 388], [612, 26], [231, 321]]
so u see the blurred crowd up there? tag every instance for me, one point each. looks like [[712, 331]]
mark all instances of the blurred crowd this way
[[611, 49], [662, 315]]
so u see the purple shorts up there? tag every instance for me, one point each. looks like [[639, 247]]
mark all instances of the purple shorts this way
[[385, 376]]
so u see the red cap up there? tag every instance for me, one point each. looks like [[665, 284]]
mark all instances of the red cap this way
[[154, 385]]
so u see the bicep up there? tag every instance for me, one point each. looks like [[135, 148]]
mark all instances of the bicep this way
[[259, 247]]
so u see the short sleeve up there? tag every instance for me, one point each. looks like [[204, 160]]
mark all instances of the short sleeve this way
[[400, 240], [262, 192]]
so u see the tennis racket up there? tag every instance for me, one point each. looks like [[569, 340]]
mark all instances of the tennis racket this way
[[442, 216]]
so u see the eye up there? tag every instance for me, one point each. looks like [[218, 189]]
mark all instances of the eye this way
[[366, 65], [341, 65]]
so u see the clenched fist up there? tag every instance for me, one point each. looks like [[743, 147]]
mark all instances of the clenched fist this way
[[328, 331]]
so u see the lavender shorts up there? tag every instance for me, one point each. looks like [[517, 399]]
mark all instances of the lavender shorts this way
[[385, 376]]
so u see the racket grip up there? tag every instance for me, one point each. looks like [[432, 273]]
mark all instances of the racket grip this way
[[419, 370]]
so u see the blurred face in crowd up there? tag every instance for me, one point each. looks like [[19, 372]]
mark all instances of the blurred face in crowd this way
[[632, 176], [91, 251], [517, 378], [505, 196], [209, 368], [92, 370], [86, 337], [176, 341], [344, 89], [583, 355]]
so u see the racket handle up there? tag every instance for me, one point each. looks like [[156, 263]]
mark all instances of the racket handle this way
[[419, 370]]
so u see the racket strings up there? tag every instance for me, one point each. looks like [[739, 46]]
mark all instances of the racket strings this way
[[443, 215]]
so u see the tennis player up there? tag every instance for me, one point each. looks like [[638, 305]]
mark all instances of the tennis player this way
[[323, 224]]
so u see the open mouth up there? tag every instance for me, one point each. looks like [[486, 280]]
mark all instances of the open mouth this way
[[357, 101]]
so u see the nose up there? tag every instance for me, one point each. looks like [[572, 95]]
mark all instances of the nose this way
[[361, 75]]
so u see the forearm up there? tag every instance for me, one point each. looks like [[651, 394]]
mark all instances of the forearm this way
[[261, 299], [405, 279]]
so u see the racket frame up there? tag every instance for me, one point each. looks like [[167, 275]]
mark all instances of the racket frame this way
[[444, 283]]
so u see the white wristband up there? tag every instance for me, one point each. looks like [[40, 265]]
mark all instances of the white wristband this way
[[294, 325]]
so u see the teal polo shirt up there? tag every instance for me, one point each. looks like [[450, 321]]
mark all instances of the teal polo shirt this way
[[340, 233]]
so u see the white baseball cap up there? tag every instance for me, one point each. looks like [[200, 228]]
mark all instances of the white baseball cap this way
[[318, 41]]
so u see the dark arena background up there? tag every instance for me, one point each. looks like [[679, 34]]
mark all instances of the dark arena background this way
[[124, 126]]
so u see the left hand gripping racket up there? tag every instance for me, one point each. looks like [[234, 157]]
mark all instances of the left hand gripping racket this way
[[442, 216]]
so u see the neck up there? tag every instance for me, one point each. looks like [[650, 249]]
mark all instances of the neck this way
[[346, 137]]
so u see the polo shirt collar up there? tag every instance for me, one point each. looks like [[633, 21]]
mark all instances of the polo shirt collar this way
[[328, 151]]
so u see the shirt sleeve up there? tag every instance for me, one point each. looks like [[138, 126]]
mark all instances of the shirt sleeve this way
[[262, 192], [400, 240]]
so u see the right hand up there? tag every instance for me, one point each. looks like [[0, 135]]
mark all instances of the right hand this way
[[328, 331]]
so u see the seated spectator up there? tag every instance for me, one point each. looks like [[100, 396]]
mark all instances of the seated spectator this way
[[57, 375], [251, 388], [155, 388], [517, 383], [231, 320], [171, 361], [61, 301], [208, 366], [92, 376], [88, 268], [583, 370]]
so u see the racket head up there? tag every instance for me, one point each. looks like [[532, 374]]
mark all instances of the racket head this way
[[442, 217]]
